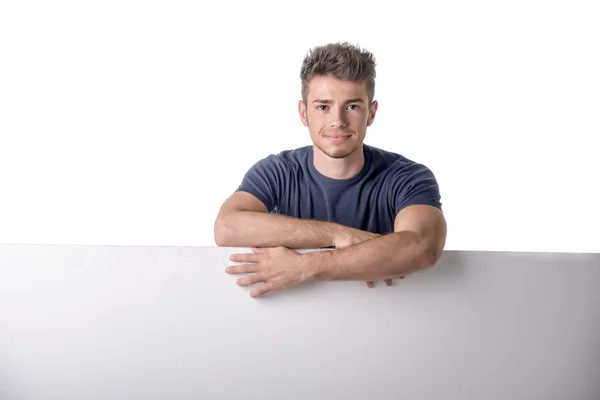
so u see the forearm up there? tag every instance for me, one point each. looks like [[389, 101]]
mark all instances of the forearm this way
[[258, 229], [389, 256]]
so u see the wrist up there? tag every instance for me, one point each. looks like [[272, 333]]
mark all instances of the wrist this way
[[314, 264]]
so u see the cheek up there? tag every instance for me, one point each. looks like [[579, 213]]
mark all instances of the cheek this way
[[360, 119], [314, 119], [312, 115]]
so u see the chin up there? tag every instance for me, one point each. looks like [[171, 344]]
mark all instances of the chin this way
[[337, 152]]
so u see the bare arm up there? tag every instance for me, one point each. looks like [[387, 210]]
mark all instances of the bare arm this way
[[417, 243], [244, 221]]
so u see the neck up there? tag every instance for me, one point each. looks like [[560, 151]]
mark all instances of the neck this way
[[339, 168]]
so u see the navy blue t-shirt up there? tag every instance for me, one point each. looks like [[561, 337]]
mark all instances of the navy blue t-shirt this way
[[288, 183]]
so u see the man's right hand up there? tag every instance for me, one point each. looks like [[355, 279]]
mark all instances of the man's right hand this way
[[351, 236]]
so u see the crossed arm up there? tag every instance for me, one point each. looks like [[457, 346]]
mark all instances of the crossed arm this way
[[244, 221], [416, 243]]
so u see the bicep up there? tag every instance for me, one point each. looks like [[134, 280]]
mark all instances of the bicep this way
[[264, 181], [414, 184], [416, 201], [238, 202], [427, 222], [242, 201]]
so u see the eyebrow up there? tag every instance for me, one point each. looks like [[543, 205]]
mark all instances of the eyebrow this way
[[331, 101]]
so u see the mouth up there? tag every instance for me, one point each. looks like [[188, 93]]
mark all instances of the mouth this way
[[337, 138]]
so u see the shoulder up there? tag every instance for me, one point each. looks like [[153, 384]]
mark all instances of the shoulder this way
[[392, 162], [406, 181], [288, 157], [285, 160], [293, 156]]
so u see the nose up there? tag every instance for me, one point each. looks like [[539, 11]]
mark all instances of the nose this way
[[338, 118]]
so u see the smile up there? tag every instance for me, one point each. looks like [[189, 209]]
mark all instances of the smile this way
[[338, 138]]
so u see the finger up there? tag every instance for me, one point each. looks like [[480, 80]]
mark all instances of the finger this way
[[242, 269], [261, 291], [370, 284], [250, 280], [246, 257], [388, 282], [258, 250]]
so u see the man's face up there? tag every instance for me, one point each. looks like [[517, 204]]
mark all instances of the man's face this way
[[337, 114]]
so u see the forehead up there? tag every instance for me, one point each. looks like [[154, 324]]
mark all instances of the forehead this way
[[333, 88]]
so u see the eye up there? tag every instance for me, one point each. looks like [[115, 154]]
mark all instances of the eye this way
[[353, 106], [322, 107]]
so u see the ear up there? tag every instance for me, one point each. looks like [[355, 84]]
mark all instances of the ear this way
[[372, 112], [302, 111]]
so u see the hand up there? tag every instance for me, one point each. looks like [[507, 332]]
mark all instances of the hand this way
[[388, 282], [351, 236], [278, 267]]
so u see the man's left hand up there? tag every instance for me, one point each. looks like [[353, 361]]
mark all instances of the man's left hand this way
[[278, 267], [388, 282]]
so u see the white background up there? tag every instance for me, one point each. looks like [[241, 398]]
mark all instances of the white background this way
[[128, 123]]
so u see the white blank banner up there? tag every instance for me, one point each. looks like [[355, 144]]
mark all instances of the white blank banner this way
[[95, 322]]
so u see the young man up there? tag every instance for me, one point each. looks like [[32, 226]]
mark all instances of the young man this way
[[381, 211]]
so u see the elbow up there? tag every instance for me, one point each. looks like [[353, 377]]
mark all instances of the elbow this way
[[430, 259], [221, 240], [431, 256], [222, 233]]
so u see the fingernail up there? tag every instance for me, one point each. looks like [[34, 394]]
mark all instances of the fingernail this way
[[228, 269]]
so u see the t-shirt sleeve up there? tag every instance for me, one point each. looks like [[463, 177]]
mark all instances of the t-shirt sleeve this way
[[265, 180], [414, 184]]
